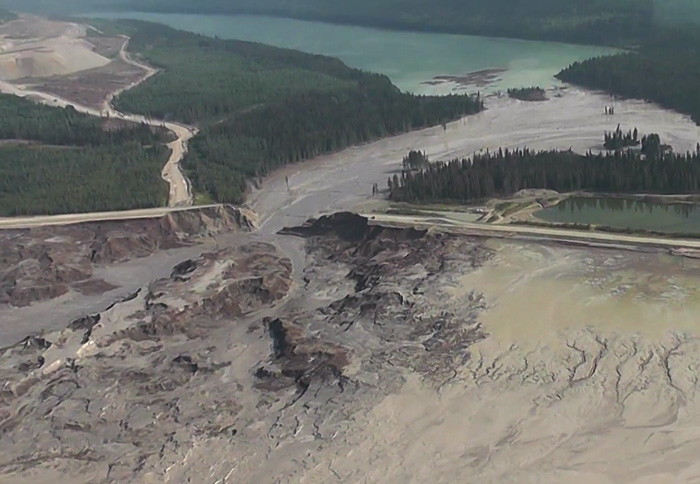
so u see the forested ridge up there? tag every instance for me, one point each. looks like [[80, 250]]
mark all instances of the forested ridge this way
[[505, 172], [665, 69], [618, 22], [260, 107], [55, 160]]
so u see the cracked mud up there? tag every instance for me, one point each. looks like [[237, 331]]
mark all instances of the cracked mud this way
[[390, 355]]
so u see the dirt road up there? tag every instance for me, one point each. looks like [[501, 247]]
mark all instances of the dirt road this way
[[45, 220], [180, 192], [585, 369], [578, 237]]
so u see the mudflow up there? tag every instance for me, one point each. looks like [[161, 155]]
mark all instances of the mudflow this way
[[376, 354]]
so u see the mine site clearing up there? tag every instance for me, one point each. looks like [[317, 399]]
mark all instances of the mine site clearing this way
[[55, 63], [571, 118]]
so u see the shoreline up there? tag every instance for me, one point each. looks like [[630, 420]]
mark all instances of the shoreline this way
[[522, 209]]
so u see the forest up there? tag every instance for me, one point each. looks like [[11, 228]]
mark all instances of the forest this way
[[618, 140], [260, 107], [661, 63], [55, 160], [505, 172], [615, 22], [21, 119], [665, 70]]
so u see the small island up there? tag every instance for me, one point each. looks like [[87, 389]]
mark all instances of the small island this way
[[530, 94]]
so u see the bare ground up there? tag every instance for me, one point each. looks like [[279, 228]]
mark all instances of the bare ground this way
[[397, 355], [60, 266], [36, 47], [90, 87], [575, 120]]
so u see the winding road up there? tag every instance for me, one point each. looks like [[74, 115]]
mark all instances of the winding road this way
[[180, 192]]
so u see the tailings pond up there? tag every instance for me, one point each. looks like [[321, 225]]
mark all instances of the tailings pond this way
[[422, 63], [680, 218]]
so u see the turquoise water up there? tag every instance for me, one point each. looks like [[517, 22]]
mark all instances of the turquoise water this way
[[408, 58], [621, 213]]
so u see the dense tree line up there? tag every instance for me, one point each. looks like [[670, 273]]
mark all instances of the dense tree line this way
[[618, 140], [505, 172], [415, 160], [587, 21], [651, 146], [39, 179], [21, 119], [666, 70], [304, 126], [55, 160], [260, 107]]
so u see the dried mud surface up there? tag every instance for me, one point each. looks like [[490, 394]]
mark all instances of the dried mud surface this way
[[393, 355], [43, 263], [127, 395]]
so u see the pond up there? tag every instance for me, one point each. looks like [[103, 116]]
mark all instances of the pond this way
[[422, 63], [626, 214]]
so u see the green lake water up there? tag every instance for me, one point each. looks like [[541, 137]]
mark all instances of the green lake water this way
[[409, 58], [621, 213]]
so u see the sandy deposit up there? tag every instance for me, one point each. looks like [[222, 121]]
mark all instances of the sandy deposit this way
[[570, 118], [396, 356], [33, 47], [56, 273], [587, 375]]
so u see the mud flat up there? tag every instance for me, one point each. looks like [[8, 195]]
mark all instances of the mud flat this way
[[570, 118], [346, 351], [52, 273], [475, 79], [397, 355]]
